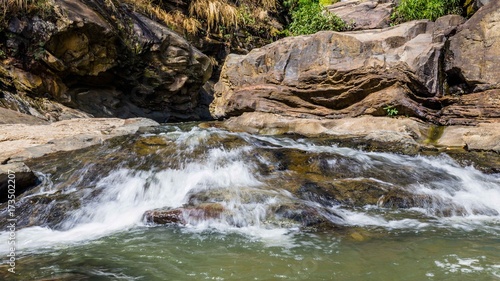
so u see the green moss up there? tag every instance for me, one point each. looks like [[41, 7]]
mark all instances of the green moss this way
[[434, 134], [327, 2]]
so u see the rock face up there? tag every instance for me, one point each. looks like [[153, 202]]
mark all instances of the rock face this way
[[103, 59], [404, 135], [364, 14], [336, 75], [15, 117], [19, 142], [472, 61], [444, 72], [15, 178], [474, 53]]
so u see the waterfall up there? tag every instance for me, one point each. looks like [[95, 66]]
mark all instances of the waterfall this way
[[447, 195]]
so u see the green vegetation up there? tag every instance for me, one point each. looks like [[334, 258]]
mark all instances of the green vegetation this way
[[391, 111], [327, 2], [309, 16], [408, 10]]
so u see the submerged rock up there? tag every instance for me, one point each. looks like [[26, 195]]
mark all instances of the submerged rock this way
[[184, 215], [246, 207]]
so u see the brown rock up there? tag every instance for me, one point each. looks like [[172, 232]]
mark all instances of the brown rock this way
[[363, 14], [402, 134], [15, 178], [21, 141], [484, 136], [473, 55], [186, 214], [14, 117], [104, 60], [405, 135], [471, 109], [337, 75]]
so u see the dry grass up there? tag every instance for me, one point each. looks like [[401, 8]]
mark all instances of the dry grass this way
[[13, 5], [188, 24], [175, 20], [269, 4], [264, 4], [215, 12]]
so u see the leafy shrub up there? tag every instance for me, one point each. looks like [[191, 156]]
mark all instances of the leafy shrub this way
[[309, 17], [408, 10]]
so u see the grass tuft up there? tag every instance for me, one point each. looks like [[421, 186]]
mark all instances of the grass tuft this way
[[216, 13]]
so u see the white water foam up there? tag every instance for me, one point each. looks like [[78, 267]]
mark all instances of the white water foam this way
[[455, 264], [473, 196], [127, 194]]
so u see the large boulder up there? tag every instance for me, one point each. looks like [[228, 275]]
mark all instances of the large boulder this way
[[19, 142], [363, 14], [473, 55], [103, 59], [472, 72], [335, 75]]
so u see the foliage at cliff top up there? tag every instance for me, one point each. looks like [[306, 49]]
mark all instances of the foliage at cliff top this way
[[309, 16], [408, 10]]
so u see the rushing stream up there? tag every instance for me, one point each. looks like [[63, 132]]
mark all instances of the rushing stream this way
[[252, 207]]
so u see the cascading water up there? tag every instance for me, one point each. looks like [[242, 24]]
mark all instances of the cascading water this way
[[267, 189]]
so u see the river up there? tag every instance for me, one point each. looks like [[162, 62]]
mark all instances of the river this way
[[287, 208]]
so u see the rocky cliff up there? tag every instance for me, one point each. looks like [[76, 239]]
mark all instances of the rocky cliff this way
[[99, 58], [443, 72]]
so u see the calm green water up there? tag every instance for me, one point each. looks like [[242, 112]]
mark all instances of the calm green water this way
[[87, 220], [168, 253]]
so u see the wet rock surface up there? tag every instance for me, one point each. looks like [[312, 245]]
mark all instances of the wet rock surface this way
[[21, 143], [308, 184], [15, 178], [403, 135]]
